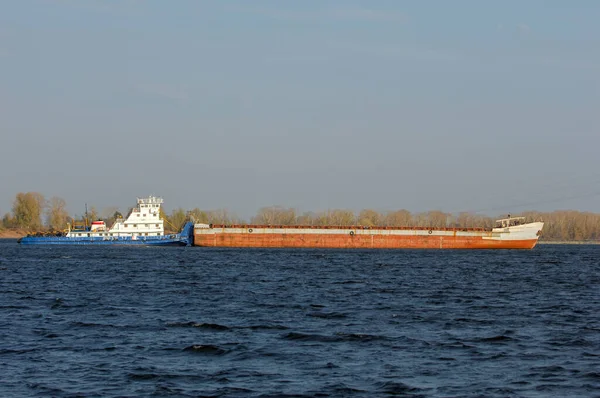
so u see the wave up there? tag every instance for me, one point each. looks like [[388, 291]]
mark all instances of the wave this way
[[8, 351], [397, 388], [209, 326], [208, 349], [496, 339], [327, 315], [338, 337]]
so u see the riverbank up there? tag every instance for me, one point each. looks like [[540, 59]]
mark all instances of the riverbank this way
[[12, 233]]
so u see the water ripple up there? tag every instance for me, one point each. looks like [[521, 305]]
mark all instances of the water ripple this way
[[213, 322]]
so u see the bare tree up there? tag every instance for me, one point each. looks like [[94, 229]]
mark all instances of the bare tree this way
[[223, 217], [110, 215], [306, 218], [398, 218], [369, 218], [421, 220], [57, 214], [437, 219], [177, 219], [275, 215], [336, 217], [198, 215], [93, 214], [465, 220]]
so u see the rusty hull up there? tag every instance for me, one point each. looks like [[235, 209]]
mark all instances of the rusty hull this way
[[356, 238]]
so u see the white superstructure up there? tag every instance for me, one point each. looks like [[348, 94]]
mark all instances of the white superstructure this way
[[515, 228], [143, 220]]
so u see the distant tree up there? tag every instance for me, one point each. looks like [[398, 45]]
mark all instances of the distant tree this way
[[307, 218], [437, 219], [223, 217], [27, 210], [275, 215], [199, 216], [161, 212], [421, 220], [369, 218], [464, 220], [110, 215], [336, 217], [93, 214], [8, 221], [56, 215], [177, 219], [398, 218], [480, 221]]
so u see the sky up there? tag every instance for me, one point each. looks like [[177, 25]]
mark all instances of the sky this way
[[488, 107]]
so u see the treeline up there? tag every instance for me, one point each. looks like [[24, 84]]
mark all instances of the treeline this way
[[31, 211]]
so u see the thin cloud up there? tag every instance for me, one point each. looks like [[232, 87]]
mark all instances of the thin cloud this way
[[366, 14], [169, 91], [523, 28], [297, 59], [113, 7], [334, 13], [550, 60], [273, 13], [394, 51]]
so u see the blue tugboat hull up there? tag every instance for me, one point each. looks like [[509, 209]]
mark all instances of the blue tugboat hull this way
[[47, 240], [184, 238]]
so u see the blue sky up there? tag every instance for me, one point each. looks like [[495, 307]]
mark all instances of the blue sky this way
[[422, 105]]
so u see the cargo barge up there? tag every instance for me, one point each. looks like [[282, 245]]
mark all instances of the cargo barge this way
[[509, 233]]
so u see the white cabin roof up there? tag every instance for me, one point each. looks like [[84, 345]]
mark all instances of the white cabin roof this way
[[150, 200], [510, 218]]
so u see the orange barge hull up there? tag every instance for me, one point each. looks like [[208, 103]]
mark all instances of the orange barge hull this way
[[358, 238]]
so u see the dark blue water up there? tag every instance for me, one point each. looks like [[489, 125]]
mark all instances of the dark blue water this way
[[127, 321]]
